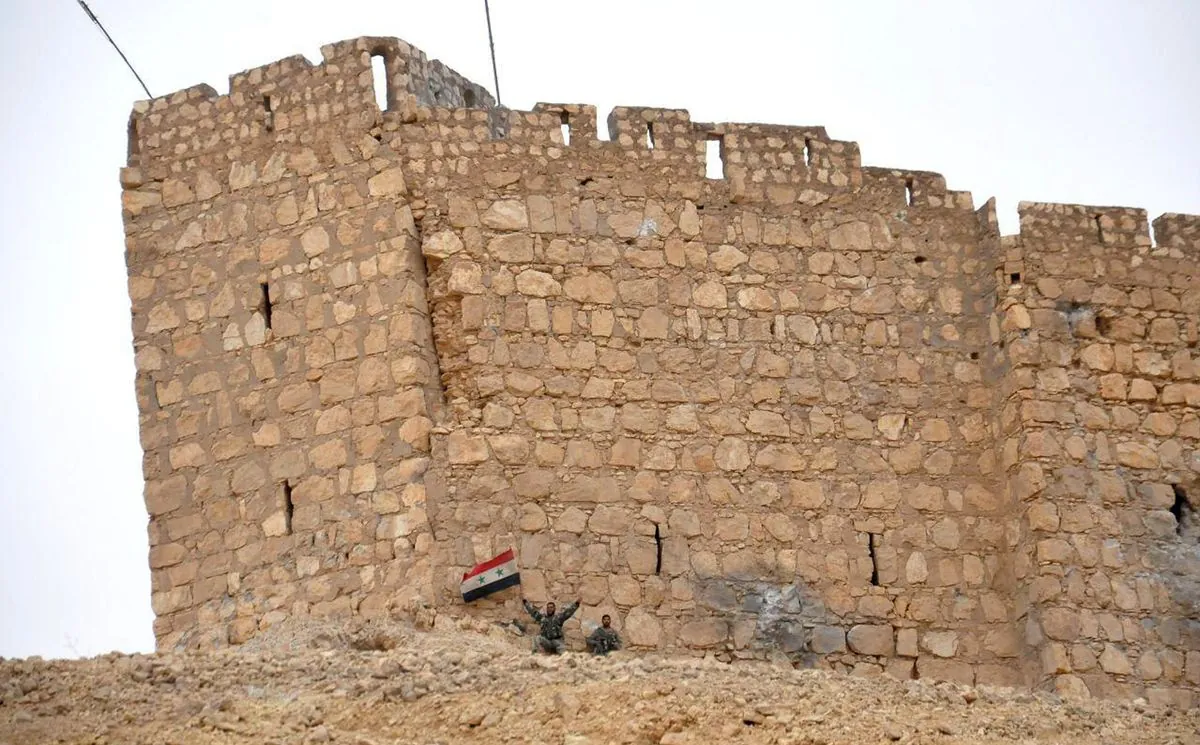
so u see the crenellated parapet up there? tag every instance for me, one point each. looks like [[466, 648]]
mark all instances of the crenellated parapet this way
[[280, 100]]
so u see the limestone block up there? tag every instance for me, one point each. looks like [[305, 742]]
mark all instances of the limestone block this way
[[510, 448], [906, 642], [876, 640], [1136, 455], [610, 520], [916, 569], [779, 458], [732, 454], [685, 523], [641, 629], [572, 520], [876, 300], [710, 294], [828, 640], [515, 248], [727, 258], [932, 668], [462, 448], [807, 495], [533, 283], [940, 643], [389, 182], [443, 244], [466, 278], [704, 633], [1114, 661]]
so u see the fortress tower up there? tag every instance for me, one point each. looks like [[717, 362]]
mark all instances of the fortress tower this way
[[807, 409]]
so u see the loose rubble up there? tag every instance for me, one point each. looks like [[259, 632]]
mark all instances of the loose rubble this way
[[383, 683]]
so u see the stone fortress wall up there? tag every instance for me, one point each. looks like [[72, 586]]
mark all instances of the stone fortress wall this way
[[809, 409]]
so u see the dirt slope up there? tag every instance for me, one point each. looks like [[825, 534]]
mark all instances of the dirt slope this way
[[308, 683]]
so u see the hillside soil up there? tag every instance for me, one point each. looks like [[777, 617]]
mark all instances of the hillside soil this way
[[380, 684]]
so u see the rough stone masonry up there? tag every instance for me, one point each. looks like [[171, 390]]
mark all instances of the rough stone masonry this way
[[805, 409]]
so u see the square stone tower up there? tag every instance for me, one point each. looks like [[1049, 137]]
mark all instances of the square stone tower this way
[[721, 381]]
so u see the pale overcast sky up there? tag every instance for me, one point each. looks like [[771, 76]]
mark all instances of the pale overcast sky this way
[[1093, 102]]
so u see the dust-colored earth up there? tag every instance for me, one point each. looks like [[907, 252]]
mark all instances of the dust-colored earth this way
[[387, 683]]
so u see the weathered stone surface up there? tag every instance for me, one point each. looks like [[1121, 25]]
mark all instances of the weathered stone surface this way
[[869, 639]]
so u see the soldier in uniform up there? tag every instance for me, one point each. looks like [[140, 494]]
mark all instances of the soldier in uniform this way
[[550, 623], [604, 639]]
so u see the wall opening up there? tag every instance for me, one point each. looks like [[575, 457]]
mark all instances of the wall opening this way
[[132, 144], [808, 152], [919, 259], [468, 98], [270, 124], [650, 135], [714, 158], [566, 128], [288, 507], [265, 305], [1181, 509], [1014, 278], [657, 549], [1099, 230], [379, 77], [908, 192], [1103, 325], [872, 543]]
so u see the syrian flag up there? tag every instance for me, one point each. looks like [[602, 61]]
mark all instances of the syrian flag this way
[[491, 576]]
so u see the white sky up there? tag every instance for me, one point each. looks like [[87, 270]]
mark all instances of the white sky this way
[[1093, 102]]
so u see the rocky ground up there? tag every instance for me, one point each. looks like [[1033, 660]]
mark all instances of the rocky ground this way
[[377, 684]]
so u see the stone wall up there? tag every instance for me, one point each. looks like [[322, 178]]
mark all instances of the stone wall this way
[[1100, 329], [808, 409]]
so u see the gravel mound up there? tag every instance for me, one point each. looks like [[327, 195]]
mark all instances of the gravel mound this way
[[383, 682]]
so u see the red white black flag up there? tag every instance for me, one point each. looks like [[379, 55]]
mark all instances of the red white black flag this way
[[491, 576]]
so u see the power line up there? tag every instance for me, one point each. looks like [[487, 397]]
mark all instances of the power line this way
[[96, 21], [495, 74]]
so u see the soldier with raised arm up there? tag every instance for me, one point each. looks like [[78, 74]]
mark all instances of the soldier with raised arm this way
[[550, 633]]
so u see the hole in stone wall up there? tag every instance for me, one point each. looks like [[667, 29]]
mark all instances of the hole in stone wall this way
[[265, 306], [908, 192], [1181, 509], [1014, 278], [379, 76], [919, 260], [288, 507], [1103, 325], [872, 542], [658, 550], [974, 355], [808, 153], [566, 129], [650, 135], [714, 158], [1099, 230], [469, 98], [270, 114]]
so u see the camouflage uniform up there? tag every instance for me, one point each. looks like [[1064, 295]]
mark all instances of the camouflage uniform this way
[[550, 636], [602, 641]]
